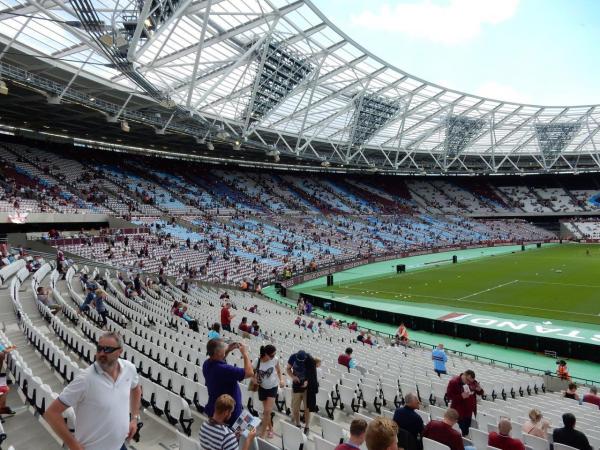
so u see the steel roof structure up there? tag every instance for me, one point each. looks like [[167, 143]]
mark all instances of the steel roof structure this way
[[278, 76]]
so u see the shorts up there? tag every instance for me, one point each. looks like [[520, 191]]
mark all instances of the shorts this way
[[264, 394]]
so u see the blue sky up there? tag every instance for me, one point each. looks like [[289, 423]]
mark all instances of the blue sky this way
[[534, 51]]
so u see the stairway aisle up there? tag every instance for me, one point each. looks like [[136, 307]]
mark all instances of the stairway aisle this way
[[25, 430], [154, 435]]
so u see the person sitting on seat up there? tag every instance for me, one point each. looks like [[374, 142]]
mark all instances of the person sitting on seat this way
[[536, 425], [4, 351], [243, 326], [382, 434], [443, 431], [571, 392], [369, 340], [43, 296], [216, 435], [4, 390], [592, 396], [402, 334], [502, 439], [254, 328], [410, 424], [182, 312], [345, 358], [358, 430], [568, 435], [215, 331]]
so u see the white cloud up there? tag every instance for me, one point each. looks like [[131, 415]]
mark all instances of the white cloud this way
[[452, 22], [498, 91]]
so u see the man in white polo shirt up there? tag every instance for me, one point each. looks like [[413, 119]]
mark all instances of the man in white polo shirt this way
[[106, 399]]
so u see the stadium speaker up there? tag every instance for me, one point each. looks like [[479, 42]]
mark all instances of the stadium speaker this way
[[400, 268], [522, 247], [329, 280], [539, 245], [454, 259]]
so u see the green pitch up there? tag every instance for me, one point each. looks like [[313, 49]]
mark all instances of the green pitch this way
[[559, 282]]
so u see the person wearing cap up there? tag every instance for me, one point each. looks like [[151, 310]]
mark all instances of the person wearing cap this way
[[91, 287], [302, 369], [100, 296]]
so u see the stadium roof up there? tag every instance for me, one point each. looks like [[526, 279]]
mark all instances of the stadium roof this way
[[277, 76]]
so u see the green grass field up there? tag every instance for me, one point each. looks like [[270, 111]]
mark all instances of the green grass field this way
[[559, 282]]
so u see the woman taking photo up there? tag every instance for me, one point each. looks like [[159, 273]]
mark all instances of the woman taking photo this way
[[268, 377]]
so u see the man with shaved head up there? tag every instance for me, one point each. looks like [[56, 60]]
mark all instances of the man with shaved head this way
[[443, 431], [502, 439]]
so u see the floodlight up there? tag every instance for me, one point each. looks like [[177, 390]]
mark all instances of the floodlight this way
[[168, 103]]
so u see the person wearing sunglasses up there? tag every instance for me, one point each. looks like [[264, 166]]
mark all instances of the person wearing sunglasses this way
[[106, 398], [268, 377]]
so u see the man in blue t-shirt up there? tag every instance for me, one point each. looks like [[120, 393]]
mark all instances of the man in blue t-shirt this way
[[438, 355], [222, 378]]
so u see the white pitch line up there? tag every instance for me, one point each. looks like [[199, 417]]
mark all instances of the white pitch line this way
[[488, 290], [561, 284], [487, 303]]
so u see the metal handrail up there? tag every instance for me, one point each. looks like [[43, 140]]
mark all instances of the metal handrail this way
[[491, 361]]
